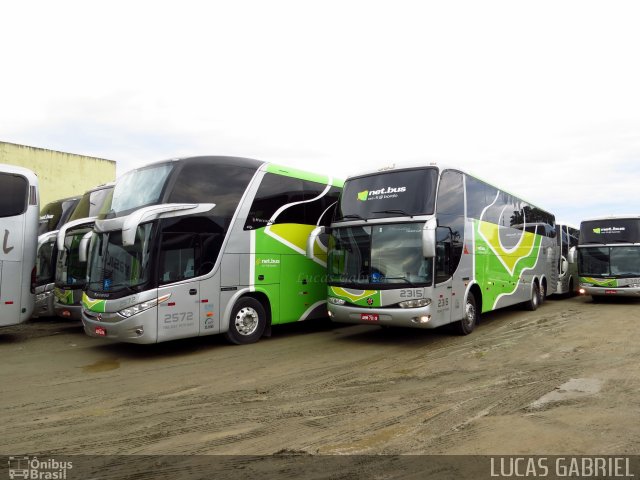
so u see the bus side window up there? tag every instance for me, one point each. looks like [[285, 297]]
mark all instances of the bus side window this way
[[177, 256], [450, 210], [443, 254]]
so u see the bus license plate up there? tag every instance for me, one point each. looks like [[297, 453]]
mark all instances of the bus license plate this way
[[101, 332], [610, 292], [369, 317]]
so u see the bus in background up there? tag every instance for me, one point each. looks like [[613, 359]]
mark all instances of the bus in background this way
[[55, 214], [429, 246], [204, 245], [71, 263], [568, 280], [19, 212], [609, 257], [52, 216]]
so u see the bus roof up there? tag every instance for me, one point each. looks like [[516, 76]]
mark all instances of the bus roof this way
[[25, 172], [612, 217], [212, 159]]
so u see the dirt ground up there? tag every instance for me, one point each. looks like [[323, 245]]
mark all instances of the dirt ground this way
[[562, 380]]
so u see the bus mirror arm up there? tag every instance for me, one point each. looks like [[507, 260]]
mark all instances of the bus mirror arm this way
[[311, 240], [62, 233], [429, 239], [84, 247]]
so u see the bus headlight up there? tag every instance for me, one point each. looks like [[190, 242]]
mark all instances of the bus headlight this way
[[140, 307], [41, 297], [416, 303], [336, 301]]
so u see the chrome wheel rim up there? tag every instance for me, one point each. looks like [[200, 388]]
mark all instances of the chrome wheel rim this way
[[469, 314], [246, 321]]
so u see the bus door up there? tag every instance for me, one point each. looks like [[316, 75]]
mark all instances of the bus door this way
[[179, 316], [443, 284]]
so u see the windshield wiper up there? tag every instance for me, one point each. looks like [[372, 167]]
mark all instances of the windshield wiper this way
[[401, 278], [354, 215], [395, 210]]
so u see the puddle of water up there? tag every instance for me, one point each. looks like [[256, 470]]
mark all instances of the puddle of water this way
[[574, 388], [102, 366]]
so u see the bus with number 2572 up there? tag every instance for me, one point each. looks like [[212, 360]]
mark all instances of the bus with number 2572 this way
[[205, 245]]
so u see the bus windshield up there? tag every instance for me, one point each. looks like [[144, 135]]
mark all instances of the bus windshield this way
[[609, 261], [114, 267], [70, 270], [389, 194], [381, 254], [140, 188]]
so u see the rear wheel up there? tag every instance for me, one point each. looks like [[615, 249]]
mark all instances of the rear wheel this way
[[468, 322], [533, 303], [543, 293], [247, 322]]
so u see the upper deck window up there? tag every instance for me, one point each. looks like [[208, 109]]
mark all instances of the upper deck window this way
[[389, 194], [139, 188], [607, 231]]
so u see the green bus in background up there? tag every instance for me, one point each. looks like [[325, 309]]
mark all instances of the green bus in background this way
[[71, 262], [429, 245], [205, 245]]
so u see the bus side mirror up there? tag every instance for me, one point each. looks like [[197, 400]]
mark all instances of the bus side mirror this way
[[573, 253], [311, 240], [84, 247], [429, 239]]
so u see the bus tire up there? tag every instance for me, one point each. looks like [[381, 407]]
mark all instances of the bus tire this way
[[247, 321], [543, 293], [533, 303], [470, 319]]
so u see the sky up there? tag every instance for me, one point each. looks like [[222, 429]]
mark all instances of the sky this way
[[541, 98]]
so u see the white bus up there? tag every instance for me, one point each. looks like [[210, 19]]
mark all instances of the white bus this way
[[428, 246], [19, 214], [205, 245], [609, 257], [568, 280]]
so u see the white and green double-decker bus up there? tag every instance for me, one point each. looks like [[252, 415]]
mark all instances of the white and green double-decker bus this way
[[205, 245], [609, 256], [428, 246]]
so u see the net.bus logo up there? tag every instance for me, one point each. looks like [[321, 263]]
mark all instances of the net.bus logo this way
[[602, 230], [380, 193]]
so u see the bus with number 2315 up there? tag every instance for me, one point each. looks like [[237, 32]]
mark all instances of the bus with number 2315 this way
[[426, 246]]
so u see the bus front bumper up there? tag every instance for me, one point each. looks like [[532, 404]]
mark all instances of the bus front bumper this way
[[69, 312], [610, 291], [139, 328], [397, 317]]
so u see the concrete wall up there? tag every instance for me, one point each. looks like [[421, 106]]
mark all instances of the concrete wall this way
[[60, 174]]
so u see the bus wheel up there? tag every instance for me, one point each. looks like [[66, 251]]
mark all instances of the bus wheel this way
[[533, 303], [470, 319], [247, 322], [543, 293]]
